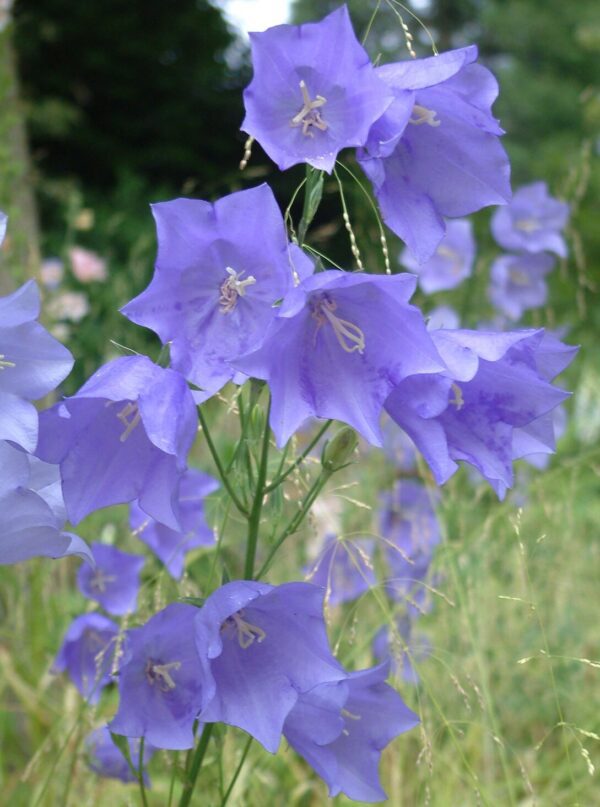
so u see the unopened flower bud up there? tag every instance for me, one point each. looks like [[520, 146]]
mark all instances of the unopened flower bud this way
[[338, 451]]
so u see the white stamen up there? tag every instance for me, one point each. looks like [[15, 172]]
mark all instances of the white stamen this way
[[446, 252], [349, 715], [247, 633], [527, 225], [424, 115], [129, 416], [99, 580], [159, 674], [349, 335], [309, 115], [519, 278], [458, 400], [233, 288], [4, 363]]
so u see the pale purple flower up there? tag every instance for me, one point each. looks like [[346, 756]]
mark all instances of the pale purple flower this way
[[495, 383], [314, 91], [71, 306], [517, 282], [125, 435], [532, 222], [341, 342], [451, 262], [435, 153], [32, 364], [87, 654], [220, 269], [403, 647], [342, 730], [87, 266], [105, 758], [114, 581], [171, 546], [164, 679], [32, 513], [343, 568], [397, 446], [267, 645], [52, 272], [442, 316]]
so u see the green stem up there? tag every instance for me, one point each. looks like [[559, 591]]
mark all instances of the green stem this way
[[297, 520], [140, 774], [238, 770], [197, 761], [259, 495], [222, 473], [281, 476]]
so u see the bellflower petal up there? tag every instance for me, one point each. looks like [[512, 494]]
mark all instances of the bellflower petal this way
[[533, 221], [105, 758], [114, 582], [452, 261], [343, 568], [518, 282]]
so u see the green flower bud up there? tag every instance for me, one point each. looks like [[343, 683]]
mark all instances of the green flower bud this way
[[338, 451]]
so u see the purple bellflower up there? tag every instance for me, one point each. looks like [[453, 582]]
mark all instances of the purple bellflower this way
[[164, 679], [397, 446], [411, 530], [402, 647], [106, 759], [32, 364], [125, 435], [372, 715], [87, 653], [32, 514], [451, 262], [496, 383], [435, 152], [343, 568], [267, 645], [341, 342], [518, 282], [114, 582], [171, 546], [314, 92], [532, 222], [220, 269]]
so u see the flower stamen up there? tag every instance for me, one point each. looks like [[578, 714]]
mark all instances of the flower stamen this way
[[99, 580], [4, 363], [233, 288], [519, 278], [247, 633], [424, 115], [349, 335], [527, 225], [159, 674], [452, 255], [309, 115], [129, 416], [458, 401]]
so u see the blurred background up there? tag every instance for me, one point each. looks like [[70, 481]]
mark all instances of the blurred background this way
[[109, 105]]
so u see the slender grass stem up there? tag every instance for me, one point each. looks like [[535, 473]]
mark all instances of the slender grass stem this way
[[282, 476], [238, 770], [259, 495], [196, 765], [217, 460]]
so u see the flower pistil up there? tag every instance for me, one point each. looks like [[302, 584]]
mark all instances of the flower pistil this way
[[309, 115], [349, 335]]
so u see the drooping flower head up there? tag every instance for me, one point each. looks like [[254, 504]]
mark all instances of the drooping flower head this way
[[220, 269], [32, 513], [171, 546], [114, 581], [314, 91], [496, 385], [451, 262], [532, 222], [339, 345], [164, 679], [341, 731], [87, 653], [518, 282], [435, 152], [343, 568], [105, 758], [267, 645], [125, 435], [32, 364]]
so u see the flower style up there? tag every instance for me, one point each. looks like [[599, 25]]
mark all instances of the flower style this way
[[341, 342], [343, 568], [314, 92], [344, 745], [411, 530], [87, 654], [164, 679], [220, 270], [496, 384], [451, 262], [124, 435], [518, 282], [435, 152], [32, 364], [171, 546], [114, 581], [105, 759], [32, 513], [267, 645], [532, 222]]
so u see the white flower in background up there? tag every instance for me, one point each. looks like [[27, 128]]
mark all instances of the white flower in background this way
[[69, 305], [87, 266]]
